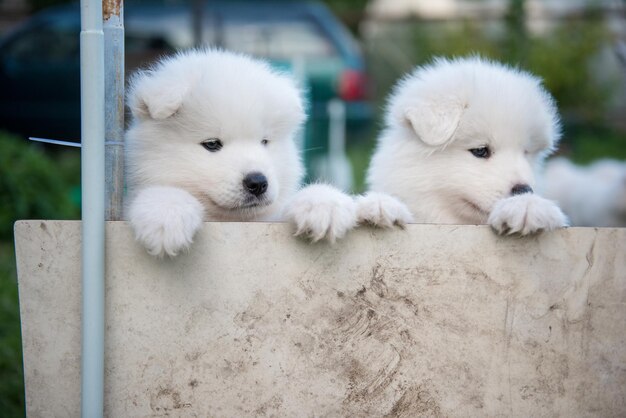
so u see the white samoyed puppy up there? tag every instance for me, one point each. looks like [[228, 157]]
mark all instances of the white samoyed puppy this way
[[593, 195], [462, 142], [212, 138]]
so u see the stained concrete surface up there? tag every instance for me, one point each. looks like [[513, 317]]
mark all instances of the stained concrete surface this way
[[427, 321]]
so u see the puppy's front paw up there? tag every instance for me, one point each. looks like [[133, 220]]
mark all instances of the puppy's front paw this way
[[382, 210], [526, 214], [165, 219], [321, 211]]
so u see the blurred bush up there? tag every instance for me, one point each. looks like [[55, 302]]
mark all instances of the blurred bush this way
[[562, 57], [11, 374], [564, 60], [35, 184]]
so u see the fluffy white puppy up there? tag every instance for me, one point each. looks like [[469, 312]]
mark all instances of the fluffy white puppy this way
[[593, 195], [212, 138], [461, 144]]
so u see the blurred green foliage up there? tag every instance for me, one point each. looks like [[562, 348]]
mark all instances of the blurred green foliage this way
[[584, 144], [33, 184], [561, 57], [11, 375], [564, 61]]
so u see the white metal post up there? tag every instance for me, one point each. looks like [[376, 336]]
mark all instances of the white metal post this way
[[92, 184]]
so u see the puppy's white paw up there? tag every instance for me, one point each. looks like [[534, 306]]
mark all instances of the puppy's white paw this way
[[526, 214], [165, 219], [382, 210], [321, 211]]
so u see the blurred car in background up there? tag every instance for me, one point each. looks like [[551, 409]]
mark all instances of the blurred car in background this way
[[40, 63]]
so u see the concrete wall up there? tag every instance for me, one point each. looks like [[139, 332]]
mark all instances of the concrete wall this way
[[429, 321]]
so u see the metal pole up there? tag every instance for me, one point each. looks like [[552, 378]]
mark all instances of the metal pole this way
[[113, 13], [92, 183], [339, 165]]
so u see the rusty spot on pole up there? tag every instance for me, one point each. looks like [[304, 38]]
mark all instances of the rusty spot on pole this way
[[111, 8]]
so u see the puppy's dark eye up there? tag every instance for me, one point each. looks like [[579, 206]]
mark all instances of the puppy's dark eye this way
[[482, 152], [265, 141], [212, 144]]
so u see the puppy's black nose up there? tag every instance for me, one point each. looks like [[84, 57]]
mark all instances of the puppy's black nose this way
[[521, 189], [255, 183]]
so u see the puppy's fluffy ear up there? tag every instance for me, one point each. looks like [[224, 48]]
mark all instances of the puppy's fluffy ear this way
[[155, 97], [435, 122]]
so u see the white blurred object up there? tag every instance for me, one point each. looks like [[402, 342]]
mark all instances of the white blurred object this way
[[593, 195], [335, 167], [298, 70]]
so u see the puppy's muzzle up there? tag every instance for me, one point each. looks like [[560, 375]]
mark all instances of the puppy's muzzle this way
[[521, 189], [255, 183]]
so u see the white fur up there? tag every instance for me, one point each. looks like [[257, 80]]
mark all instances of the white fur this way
[[321, 211], [437, 114], [593, 195], [174, 181], [382, 210], [165, 219], [525, 214]]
